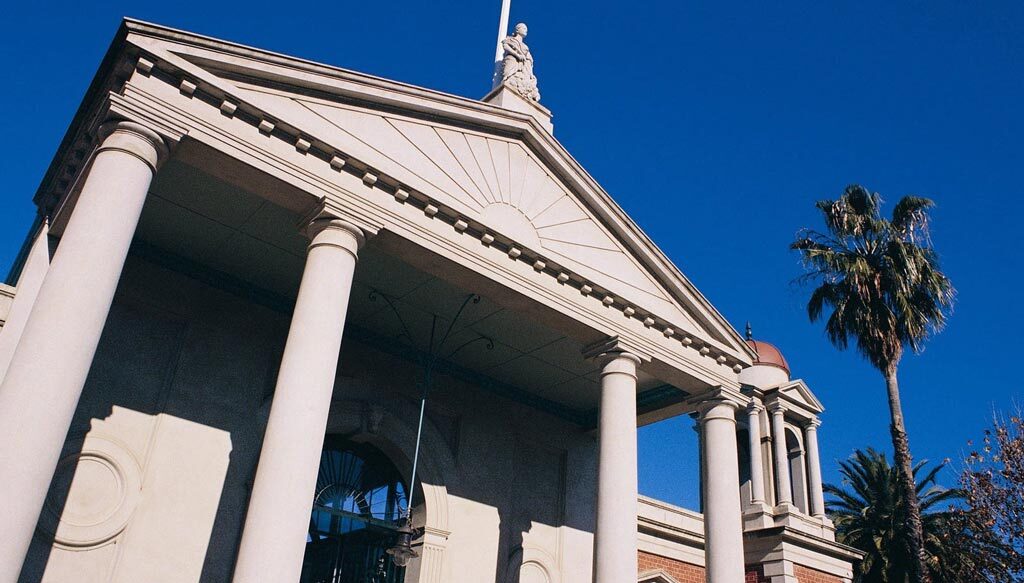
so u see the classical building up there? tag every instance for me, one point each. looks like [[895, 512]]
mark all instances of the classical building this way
[[282, 321]]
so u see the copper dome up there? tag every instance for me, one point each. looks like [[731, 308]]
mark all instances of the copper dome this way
[[768, 355]]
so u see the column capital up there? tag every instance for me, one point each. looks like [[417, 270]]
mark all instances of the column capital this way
[[812, 424], [754, 408], [776, 408], [134, 139], [611, 348], [717, 409], [330, 229], [719, 395]]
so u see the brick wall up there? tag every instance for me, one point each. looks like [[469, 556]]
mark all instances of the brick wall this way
[[808, 575], [680, 571], [687, 573], [755, 574]]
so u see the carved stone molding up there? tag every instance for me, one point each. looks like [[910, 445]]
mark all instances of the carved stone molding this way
[[93, 494]]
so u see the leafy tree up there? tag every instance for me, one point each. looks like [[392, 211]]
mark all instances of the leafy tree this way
[[993, 486], [870, 515], [881, 281]]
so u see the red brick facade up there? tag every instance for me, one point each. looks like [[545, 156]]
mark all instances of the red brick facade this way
[[808, 575], [687, 573], [755, 574], [680, 571]]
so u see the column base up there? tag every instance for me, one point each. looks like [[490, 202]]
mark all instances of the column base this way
[[790, 516], [780, 572], [784, 508], [757, 515]]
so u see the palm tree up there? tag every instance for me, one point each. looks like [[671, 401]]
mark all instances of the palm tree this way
[[870, 515], [882, 282]]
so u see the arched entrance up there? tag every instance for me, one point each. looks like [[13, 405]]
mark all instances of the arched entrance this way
[[359, 500]]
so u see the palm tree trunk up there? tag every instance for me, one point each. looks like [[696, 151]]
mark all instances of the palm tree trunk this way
[[901, 456]]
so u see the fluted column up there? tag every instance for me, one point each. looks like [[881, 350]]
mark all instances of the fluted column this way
[[615, 540], [784, 492], [756, 463], [723, 523], [47, 371], [814, 468], [277, 521]]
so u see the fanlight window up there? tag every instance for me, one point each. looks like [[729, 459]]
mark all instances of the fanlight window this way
[[357, 507]]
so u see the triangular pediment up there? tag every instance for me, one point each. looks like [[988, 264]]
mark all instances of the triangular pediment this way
[[493, 180], [498, 169], [799, 393]]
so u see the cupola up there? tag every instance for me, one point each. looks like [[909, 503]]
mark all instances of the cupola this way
[[770, 368]]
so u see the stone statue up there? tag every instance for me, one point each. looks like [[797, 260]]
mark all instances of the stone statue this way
[[517, 65]]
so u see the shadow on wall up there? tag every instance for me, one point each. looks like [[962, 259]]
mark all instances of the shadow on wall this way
[[163, 445], [167, 434], [96, 504]]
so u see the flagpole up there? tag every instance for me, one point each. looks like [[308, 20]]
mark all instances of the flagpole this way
[[506, 6]]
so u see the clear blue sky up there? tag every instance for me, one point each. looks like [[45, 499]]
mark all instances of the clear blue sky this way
[[714, 125]]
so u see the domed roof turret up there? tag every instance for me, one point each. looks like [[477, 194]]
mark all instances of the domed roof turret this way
[[770, 367], [768, 354]]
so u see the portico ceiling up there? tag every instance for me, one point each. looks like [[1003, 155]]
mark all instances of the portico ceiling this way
[[223, 234]]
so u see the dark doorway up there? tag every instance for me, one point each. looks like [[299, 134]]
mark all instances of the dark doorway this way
[[359, 502]]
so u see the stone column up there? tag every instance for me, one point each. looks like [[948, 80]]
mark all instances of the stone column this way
[[700, 461], [756, 463], [277, 521], [723, 522], [37, 263], [47, 371], [814, 468], [784, 493], [615, 540]]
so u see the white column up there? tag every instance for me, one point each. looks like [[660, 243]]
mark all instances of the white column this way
[[615, 540], [723, 523], [33, 271], [756, 463], [784, 493], [277, 521], [700, 460], [47, 372], [814, 468]]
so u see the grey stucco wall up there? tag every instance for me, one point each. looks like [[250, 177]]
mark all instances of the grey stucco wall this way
[[518, 483]]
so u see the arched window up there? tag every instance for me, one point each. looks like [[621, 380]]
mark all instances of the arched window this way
[[358, 505], [743, 457], [797, 469]]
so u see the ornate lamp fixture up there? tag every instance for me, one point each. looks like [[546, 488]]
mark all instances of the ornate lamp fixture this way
[[401, 552]]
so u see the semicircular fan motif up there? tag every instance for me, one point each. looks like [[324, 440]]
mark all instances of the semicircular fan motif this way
[[347, 483], [475, 171]]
